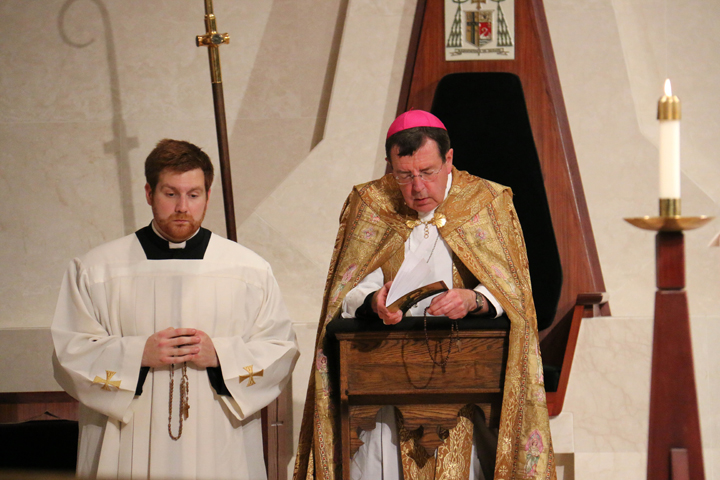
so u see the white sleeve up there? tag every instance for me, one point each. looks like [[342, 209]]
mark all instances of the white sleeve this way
[[355, 297], [498, 308], [100, 370], [257, 364]]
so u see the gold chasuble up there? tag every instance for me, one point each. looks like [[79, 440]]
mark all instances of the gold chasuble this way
[[484, 233]]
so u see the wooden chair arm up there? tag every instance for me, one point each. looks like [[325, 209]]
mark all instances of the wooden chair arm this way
[[597, 298]]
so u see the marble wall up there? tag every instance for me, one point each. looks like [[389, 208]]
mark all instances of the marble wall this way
[[613, 57], [88, 86], [605, 416]]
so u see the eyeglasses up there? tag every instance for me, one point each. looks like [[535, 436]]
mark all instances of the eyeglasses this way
[[406, 178]]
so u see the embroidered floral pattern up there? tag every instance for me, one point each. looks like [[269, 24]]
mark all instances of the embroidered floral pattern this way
[[348, 274], [506, 445], [533, 449], [499, 272], [454, 454], [540, 376], [503, 471], [321, 361], [345, 279]]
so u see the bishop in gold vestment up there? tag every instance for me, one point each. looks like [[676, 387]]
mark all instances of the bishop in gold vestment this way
[[482, 230]]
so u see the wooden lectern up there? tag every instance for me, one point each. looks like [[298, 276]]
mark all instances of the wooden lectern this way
[[391, 365]]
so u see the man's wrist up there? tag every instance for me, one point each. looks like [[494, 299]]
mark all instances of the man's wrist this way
[[479, 303]]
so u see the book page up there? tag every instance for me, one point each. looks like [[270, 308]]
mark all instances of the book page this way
[[414, 273]]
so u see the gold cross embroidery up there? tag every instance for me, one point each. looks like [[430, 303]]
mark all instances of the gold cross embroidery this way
[[250, 375], [107, 383]]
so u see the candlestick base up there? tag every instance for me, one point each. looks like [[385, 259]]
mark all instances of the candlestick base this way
[[675, 223], [674, 421]]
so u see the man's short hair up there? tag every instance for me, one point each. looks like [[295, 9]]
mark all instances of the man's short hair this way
[[410, 140], [177, 156]]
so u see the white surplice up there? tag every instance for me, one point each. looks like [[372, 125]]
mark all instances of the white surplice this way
[[111, 300]]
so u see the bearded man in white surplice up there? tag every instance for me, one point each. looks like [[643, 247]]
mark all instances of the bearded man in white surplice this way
[[172, 339]]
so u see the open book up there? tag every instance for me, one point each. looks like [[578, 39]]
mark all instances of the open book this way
[[409, 299], [414, 280]]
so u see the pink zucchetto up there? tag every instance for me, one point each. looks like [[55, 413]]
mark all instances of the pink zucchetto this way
[[412, 119]]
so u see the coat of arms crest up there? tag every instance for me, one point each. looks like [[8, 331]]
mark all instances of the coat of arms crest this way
[[475, 32]]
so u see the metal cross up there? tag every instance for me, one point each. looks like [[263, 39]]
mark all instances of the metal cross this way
[[251, 380], [212, 39], [107, 383]]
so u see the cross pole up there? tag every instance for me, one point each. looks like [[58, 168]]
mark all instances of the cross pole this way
[[212, 39]]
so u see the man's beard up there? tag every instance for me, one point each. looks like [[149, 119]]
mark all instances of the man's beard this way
[[177, 233]]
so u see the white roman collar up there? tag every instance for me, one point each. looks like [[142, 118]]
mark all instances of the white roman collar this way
[[172, 244]]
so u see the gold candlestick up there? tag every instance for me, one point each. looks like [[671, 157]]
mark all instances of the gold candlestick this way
[[669, 224], [670, 207], [674, 443], [670, 219]]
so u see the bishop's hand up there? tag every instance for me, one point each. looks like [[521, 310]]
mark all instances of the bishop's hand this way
[[378, 306], [455, 303]]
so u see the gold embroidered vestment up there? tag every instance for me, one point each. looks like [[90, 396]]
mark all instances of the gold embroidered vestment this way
[[484, 233]]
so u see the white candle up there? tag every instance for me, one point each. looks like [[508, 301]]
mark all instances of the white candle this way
[[669, 116]]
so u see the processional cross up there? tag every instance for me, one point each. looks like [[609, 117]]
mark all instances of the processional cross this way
[[212, 39]]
